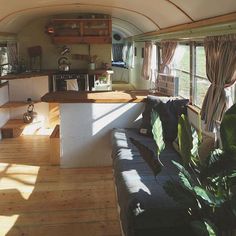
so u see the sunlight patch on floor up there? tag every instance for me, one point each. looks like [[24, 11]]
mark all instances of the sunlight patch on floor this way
[[9, 222], [16, 181], [36, 129], [16, 178]]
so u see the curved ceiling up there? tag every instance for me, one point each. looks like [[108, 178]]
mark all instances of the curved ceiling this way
[[129, 16]]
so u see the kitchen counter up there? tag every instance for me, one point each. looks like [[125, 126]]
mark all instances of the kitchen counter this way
[[86, 120], [134, 96], [50, 72], [24, 75]]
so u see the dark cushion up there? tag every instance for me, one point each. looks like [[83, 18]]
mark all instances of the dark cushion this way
[[169, 110], [151, 102], [169, 114]]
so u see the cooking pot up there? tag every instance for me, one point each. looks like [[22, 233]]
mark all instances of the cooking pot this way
[[63, 64]]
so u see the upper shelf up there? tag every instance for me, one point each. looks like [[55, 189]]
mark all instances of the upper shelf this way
[[80, 30]]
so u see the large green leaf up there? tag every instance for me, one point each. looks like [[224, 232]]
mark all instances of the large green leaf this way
[[228, 134], [149, 156], [195, 142], [233, 205], [157, 131], [185, 139], [218, 164], [180, 195], [208, 197], [186, 180], [228, 131], [204, 228]]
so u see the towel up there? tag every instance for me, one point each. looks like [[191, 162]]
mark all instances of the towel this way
[[72, 84]]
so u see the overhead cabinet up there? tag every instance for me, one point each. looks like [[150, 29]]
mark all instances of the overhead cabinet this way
[[73, 31]]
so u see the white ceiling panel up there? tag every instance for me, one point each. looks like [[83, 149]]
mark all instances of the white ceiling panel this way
[[136, 16]]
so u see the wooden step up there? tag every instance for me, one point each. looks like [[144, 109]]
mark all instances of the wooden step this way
[[13, 128], [55, 146], [16, 104]]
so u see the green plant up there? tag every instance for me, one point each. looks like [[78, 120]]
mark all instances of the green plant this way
[[157, 131], [211, 193], [189, 141]]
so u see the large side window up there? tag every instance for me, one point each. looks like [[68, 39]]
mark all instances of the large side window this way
[[181, 69], [200, 83], [3, 60], [189, 65]]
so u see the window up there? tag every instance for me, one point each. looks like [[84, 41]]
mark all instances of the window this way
[[117, 52], [189, 66], [181, 69], [200, 83], [3, 60], [154, 65]]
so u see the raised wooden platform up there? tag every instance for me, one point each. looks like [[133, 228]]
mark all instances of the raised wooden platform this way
[[13, 128]]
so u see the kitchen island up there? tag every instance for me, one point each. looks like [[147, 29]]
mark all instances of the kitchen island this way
[[86, 121]]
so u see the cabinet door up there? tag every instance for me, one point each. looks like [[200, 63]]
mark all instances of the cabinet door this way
[[67, 28], [96, 28]]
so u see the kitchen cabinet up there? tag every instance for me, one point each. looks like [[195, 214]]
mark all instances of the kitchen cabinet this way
[[72, 31]]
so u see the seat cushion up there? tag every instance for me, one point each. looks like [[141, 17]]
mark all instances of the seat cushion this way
[[144, 204], [169, 109]]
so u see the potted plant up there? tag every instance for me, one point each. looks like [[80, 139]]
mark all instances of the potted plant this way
[[209, 188]]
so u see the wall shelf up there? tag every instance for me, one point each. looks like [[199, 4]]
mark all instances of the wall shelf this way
[[72, 31]]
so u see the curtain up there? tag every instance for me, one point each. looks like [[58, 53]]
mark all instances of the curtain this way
[[12, 55], [128, 54], [220, 69], [147, 61], [125, 52], [168, 50], [117, 51]]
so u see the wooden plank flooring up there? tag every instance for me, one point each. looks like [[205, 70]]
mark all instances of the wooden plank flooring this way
[[37, 199]]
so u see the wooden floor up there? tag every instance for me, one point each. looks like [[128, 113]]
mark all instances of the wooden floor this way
[[41, 200]]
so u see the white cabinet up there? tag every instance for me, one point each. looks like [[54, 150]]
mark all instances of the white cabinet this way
[[22, 89]]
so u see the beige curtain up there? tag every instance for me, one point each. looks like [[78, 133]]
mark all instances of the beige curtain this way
[[220, 68], [167, 54], [147, 60]]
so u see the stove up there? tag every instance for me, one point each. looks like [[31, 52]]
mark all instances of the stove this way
[[70, 81]]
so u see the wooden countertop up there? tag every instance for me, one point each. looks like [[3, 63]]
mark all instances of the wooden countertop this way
[[25, 75], [134, 96], [50, 72]]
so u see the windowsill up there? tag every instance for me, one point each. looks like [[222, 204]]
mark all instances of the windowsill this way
[[195, 109], [3, 84]]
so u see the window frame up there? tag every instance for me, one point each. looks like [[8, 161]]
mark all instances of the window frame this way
[[192, 71], [3, 44]]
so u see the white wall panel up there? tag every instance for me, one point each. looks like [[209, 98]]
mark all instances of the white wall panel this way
[[86, 131], [34, 88]]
